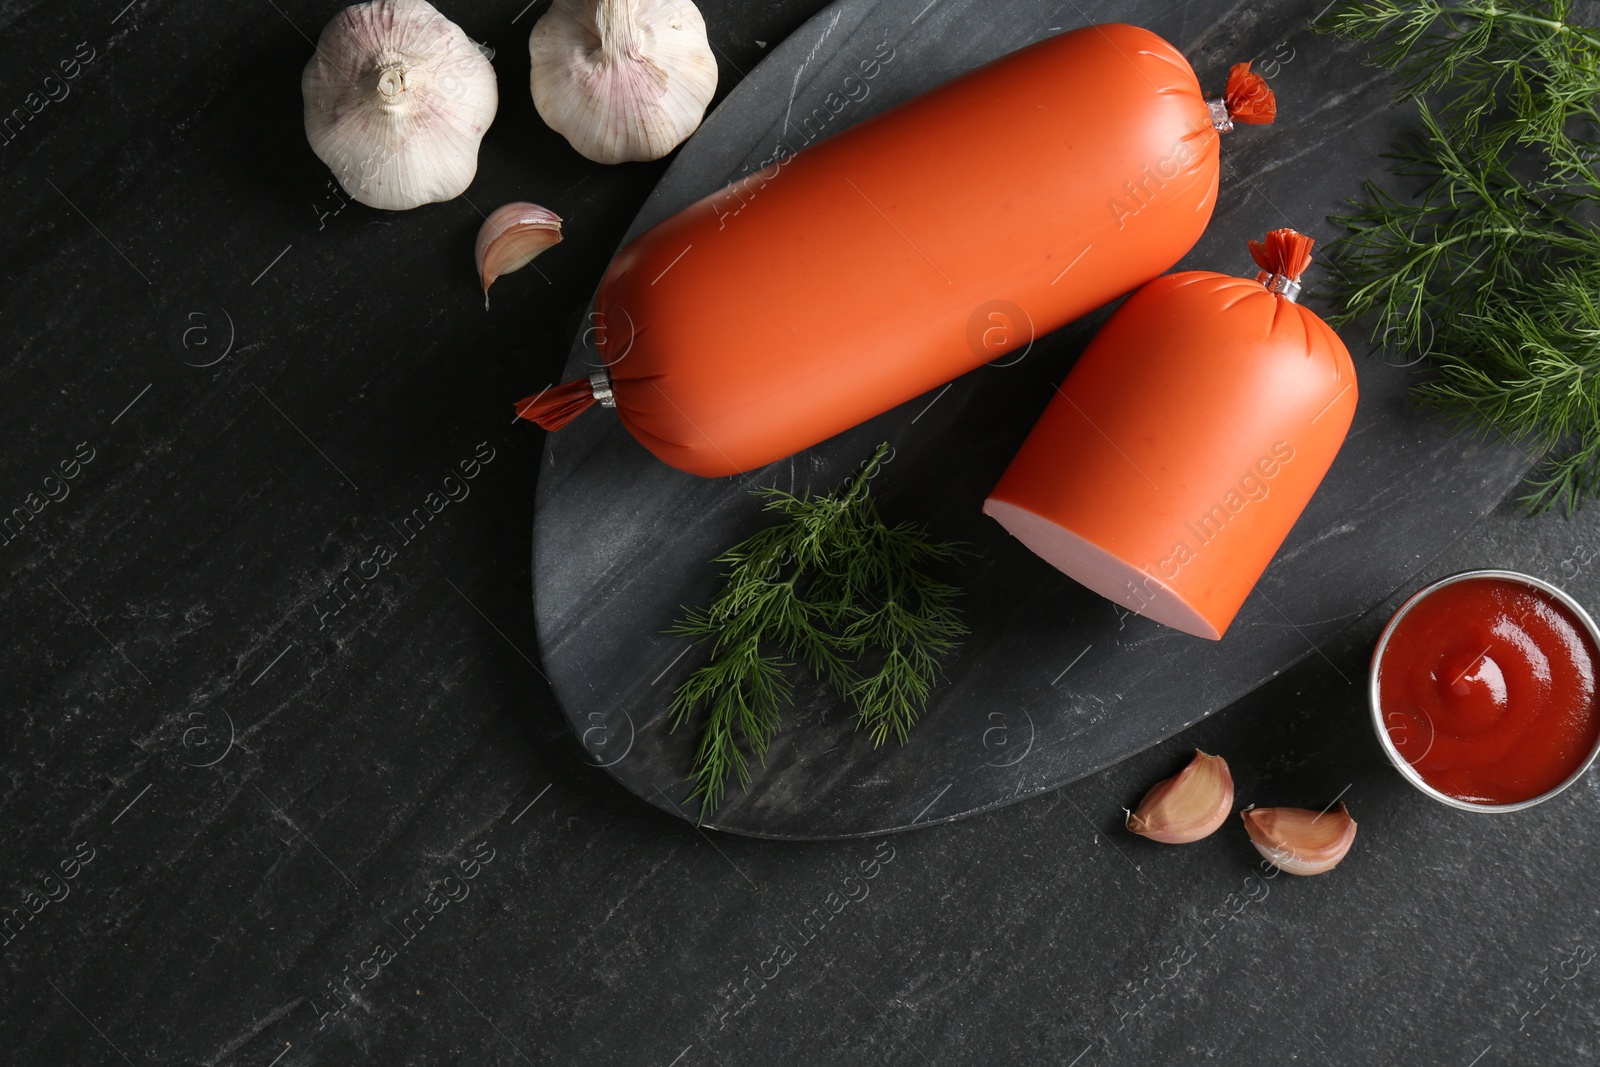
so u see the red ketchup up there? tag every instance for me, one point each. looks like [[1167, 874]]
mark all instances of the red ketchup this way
[[1488, 689]]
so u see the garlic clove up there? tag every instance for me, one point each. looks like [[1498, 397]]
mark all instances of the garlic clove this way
[[1188, 806], [397, 99], [1298, 841], [511, 237], [622, 80]]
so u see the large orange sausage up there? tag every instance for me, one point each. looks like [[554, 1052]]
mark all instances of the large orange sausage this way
[[1186, 441], [856, 273]]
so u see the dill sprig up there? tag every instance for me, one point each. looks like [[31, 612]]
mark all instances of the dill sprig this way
[[1482, 264], [835, 588]]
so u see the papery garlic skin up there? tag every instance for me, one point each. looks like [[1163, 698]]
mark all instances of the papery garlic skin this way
[[397, 99], [1188, 806], [511, 237], [622, 80], [1300, 841]]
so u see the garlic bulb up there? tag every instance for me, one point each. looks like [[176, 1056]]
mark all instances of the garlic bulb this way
[[511, 237], [397, 98], [622, 79], [1188, 806], [1299, 841]]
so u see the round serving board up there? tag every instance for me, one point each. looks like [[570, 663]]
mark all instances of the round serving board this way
[[1054, 682]]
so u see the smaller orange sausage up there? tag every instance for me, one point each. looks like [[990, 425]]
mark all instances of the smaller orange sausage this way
[[1186, 441]]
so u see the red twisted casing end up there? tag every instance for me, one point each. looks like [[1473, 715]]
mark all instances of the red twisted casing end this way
[[1249, 97], [556, 406], [1286, 252]]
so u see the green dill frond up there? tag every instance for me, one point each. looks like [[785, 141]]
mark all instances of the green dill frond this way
[[1486, 269], [834, 588]]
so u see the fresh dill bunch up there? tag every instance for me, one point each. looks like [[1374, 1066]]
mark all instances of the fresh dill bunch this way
[[1473, 230], [836, 588], [1510, 69], [1534, 374], [1478, 264], [908, 623]]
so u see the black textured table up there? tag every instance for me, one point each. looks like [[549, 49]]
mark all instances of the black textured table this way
[[252, 791]]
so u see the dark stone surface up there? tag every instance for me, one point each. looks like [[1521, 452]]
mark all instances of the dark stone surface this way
[[378, 752], [1054, 682]]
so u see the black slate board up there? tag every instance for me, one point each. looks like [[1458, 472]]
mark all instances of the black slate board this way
[[1054, 682]]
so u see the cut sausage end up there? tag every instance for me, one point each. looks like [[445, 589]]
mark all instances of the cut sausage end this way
[[1092, 566]]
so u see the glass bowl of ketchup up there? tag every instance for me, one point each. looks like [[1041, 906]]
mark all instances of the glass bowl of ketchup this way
[[1485, 690]]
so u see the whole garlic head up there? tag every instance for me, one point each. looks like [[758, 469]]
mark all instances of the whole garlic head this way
[[397, 99], [622, 79]]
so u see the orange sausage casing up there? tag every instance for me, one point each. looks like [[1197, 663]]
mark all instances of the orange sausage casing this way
[[1183, 446], [854, 275]]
